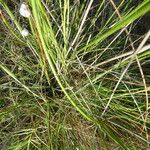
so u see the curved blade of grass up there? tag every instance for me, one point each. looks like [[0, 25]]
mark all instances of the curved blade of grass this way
[[13, 20], [59, 80], [126, 20], [37, 19], [10, 14], [15, 78]]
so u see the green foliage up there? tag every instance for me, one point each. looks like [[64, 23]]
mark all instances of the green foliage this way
[[78, 80]]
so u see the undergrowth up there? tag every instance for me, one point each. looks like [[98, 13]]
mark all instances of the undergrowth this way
[[74, 75]]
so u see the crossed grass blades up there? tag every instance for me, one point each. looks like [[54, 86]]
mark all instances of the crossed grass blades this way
[[78, 80]]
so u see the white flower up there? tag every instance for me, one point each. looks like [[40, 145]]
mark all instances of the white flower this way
[[19, 68], [24, 32], [24, 10]]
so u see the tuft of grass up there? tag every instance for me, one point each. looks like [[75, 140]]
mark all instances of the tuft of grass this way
[[79, 80]]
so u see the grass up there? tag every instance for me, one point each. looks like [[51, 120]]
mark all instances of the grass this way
[[79, 80]]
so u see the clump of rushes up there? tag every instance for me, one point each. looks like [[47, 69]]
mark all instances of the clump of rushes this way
[[79, 81]]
